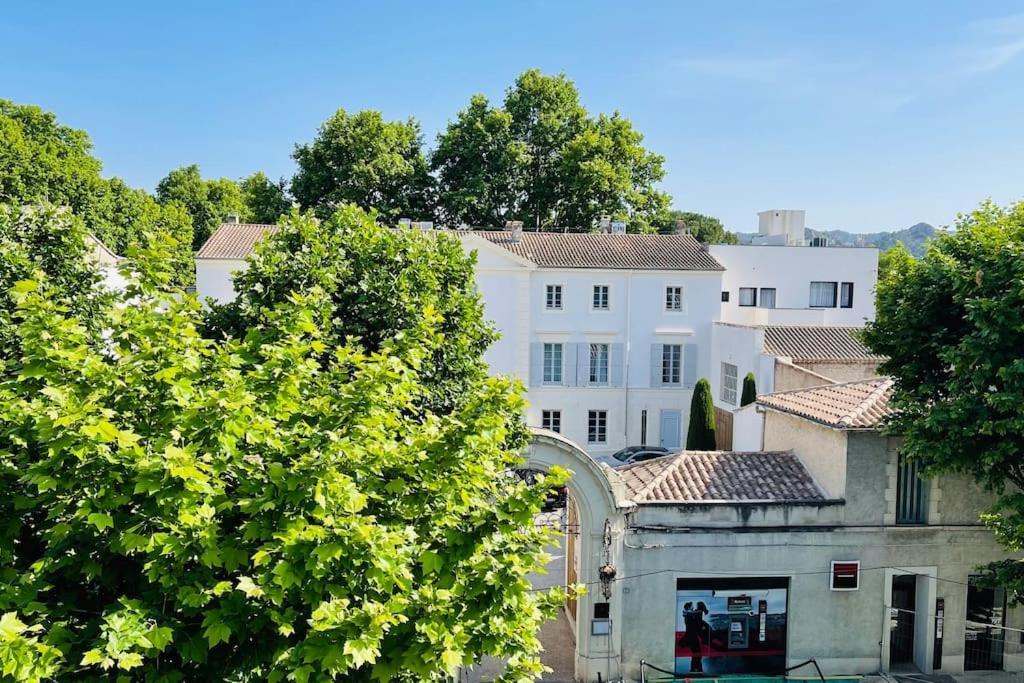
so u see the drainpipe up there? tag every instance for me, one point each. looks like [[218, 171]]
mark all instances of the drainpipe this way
[[627, 350]]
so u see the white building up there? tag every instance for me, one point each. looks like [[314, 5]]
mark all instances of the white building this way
[[608, 331]]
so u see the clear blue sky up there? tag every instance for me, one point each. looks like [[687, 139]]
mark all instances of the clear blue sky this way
[[870, 115]]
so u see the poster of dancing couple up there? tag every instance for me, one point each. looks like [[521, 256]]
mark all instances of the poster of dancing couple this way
[[734, 625]]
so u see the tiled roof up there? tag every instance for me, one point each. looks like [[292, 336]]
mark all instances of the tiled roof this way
[[720, 476], [234, 240], [851, 405], [816, 343], [599, 250]]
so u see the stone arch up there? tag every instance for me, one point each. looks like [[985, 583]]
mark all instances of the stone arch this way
[[602, 504]]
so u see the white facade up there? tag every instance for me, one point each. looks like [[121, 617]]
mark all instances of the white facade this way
[[776, 284], [214, 278]]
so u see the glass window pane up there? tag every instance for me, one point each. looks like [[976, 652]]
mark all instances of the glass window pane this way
[[823, 294], [748, 296], [767, 297]]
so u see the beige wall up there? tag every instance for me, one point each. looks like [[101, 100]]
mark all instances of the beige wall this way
[[844, 372], [822, 450], [789, 377]]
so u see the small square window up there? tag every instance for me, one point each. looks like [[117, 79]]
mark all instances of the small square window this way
[[823, 294], [767, 299], [597, 426], [553, 298], [551, 419], [673, 299], [748, 296]]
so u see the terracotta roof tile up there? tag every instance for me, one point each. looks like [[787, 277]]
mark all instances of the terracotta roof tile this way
[[720, 476], [863, 404], [234, 240], [631, 251], [816, 343]]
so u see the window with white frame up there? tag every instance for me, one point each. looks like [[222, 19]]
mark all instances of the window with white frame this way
[[846, 295], [552, 363], [598, 364], [597, 426], [823, 294], [748, 296], [673, 298], [729, 377], [551, 419], [671, 363], [600, 297], [553, 298], [767, 299]]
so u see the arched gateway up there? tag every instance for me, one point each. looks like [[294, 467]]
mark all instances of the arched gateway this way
[[598, 504]]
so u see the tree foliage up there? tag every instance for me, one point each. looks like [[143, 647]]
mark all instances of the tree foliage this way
[[542, 159], [700, 434], [950, 325], [749, 390], [43, 161], [378, 283], [266, 507], [208, 201], [706, 229], [265, 201], [364, 160]]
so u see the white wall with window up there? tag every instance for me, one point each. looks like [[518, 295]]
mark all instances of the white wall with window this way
[[769, 285]]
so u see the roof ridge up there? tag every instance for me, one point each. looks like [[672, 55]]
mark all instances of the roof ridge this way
[[831, 385], [661, 476]]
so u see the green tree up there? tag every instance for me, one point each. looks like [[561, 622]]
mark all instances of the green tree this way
[[706, 229], [175, 507], [542, 159], [265, 201], [378, 283], [49, 240], [208, 202], [364, 160], [700, 435], [43, 161], [950, 327], [894, 258], [749, 390]]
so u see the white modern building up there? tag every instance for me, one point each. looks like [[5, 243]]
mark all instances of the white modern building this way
[[610, 331]]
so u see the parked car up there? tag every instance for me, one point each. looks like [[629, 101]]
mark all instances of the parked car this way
[[632, 454]]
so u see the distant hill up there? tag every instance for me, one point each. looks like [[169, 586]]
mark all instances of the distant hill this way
[[913, 238]]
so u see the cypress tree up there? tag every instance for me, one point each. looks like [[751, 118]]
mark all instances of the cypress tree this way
[[700, 436], [749, 390]]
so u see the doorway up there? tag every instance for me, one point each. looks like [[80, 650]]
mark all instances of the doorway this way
[[984, 632], [901, 621], [671, 423]]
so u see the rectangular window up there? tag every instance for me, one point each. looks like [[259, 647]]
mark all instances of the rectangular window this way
[[748, 296], [598, 364], [729, 376], [767, 297], [552, 363], [600, 297], [673, 298], [911, 492], [551, 419], [553, 298], [597, 426], [823, 294], [846, 295], [725, 297], [671, 363]]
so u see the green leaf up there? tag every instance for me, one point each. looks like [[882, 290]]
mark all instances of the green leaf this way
[[100, 520], [218, 632]]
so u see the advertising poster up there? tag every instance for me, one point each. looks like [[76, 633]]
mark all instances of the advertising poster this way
[[727, 626]]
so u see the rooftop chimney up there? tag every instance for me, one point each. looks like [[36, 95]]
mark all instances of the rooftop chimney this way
[[605, 223], [516, 228], [232, 218], [682, 228], [618, 228]]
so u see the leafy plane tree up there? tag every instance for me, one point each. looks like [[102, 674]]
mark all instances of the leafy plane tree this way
[[951, 327], [263, 507]]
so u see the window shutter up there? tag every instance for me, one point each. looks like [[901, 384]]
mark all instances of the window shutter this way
[[536, 364], [615, 360], [569, 365], [582, 364], [655, 365], [689, 365]]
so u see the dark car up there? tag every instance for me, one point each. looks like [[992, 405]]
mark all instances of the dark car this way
[[627, 454]]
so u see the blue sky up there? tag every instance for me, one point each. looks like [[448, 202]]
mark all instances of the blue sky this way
[[870, 115]]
